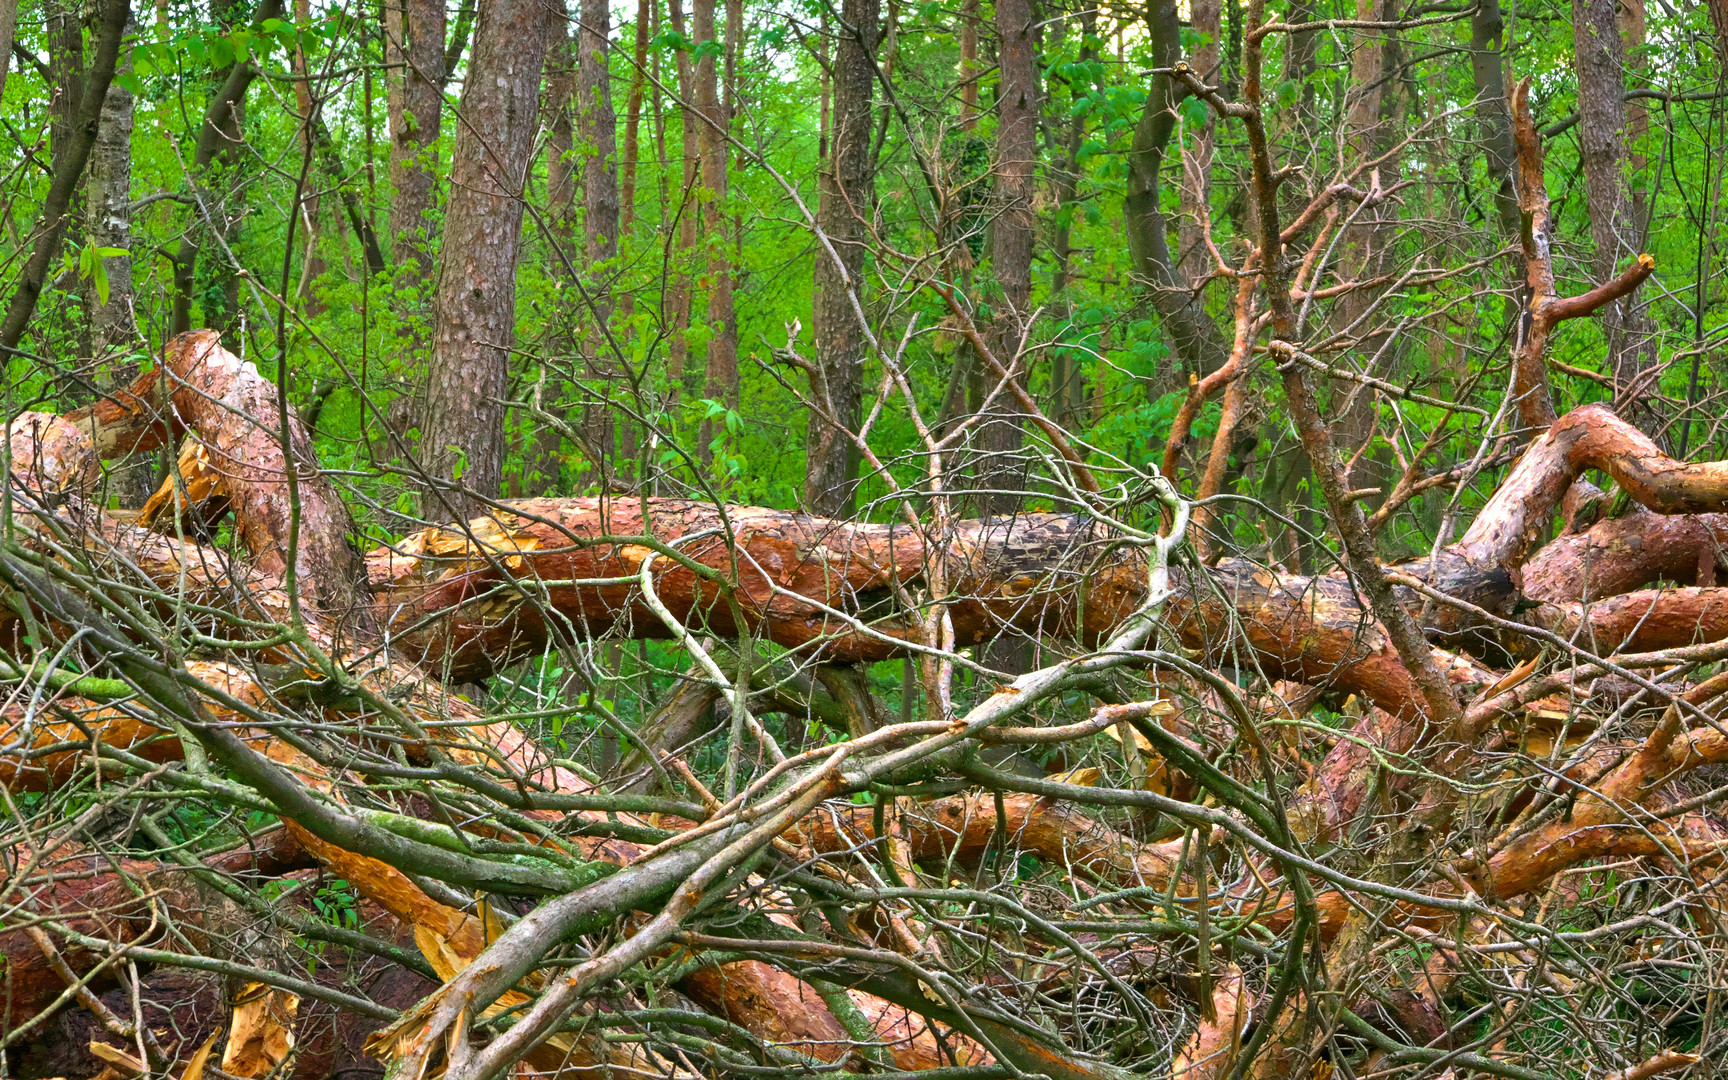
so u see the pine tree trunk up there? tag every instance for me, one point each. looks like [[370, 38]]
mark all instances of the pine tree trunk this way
[[1066, 392], [1014, 232], [633, 117], [686, 382], [8, 27], [463, 427], [414, 39], [1600, 56], [599, 127], [847, 186], [721, 371]]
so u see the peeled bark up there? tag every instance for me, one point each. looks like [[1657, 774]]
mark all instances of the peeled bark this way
[[209, 385], [94, 896], [462, 429]]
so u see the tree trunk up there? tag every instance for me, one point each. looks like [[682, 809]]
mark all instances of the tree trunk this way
[[65, 39], [110, 217], [685, 380], [561, 173], [969, 65], [62, 186], [1193, 337], [414, 39], [721, 371], [8, 27], [847, 184], [218, 131], [1600, 56], [1014, 232], [599, 127], [633, 116], [1366, 244], [462, 439], [1493, 110], [1193, 260], [1067, 390]]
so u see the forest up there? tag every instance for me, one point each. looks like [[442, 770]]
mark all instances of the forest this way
[[991, 539]]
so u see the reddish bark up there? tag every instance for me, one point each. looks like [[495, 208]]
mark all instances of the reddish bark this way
[[1621, 554], [94, 896]]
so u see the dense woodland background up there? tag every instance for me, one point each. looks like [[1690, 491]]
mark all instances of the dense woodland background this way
[[989, 539], [662, 263]]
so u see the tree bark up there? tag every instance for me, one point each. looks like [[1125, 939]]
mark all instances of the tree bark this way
[[63, 185], [721, 370], [218, 131], [1193, 338], [1599, 54], [462, 440], [64, 31], [8, 27], [847, 182], [414, 39], [1014, 233], [686, 381], [633, 115], [1493, 110], [1193, 259], [599, 126], [110, 218]]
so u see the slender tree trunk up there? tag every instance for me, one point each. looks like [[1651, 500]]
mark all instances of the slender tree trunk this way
[[633, 117], [113, 325], [219, 130], [65, 38], [686, 381], [1600, 56], [1067, 393], [8, 27], [1494, 112], [599, 126], [1193, 336], [1015, 230], [64, 33], [463, 425], [1367, 244], [561, 171], [1193, 260], [721, 371], [57, 204], [969, 65], [847, 186], [414, 46], [110, 217]]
